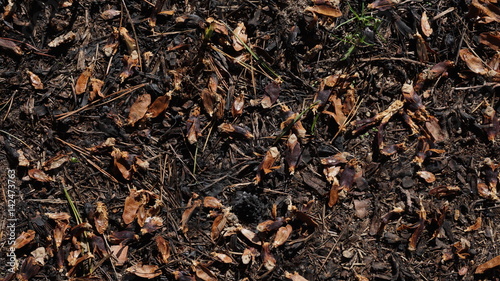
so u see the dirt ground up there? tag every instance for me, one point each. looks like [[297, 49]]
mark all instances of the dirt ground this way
[[249, 140]]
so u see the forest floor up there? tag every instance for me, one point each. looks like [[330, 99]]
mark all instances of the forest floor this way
[[249, 140]]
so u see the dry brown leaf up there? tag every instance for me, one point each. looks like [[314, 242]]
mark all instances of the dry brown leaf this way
[[485, 191], [475, 226], [122, 163], [295, 276], [129, 41], [131, 63], [203, 272], [151, 224], [101, 218], [192, 205], [361, 277], [212, 202], [474, 63], [23, 161], [239, 37], [325, 10], [251, 236], [59, 232], [9, 45], [333, 197], [118, 237], [217, 26], [40, 255], [267, 163], [218, 226], [494, 262], [132, 204], [222, 257], [488, 11], [235, 130], [238, 104], [270, 225], [268, 258], [63, 39], [282, 235], [249, 255], [120, 254], [381, 5], [55, 162], [110, 14], [82, 81], [272, 92], [158, 106], [39, 175], [193, 125], [424, 24], [163, 249], [63, 216], [293, 153], [24, 238], [96, 89], [491, 39], [112, 44], [145, 271], [139, 109], [36, 82], [28, 269], [361, 208], [427, 176]]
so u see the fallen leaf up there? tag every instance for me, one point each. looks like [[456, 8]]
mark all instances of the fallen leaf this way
[[427, 176], [361, 208], [111, 46], [117, 237], [36, 82], [295, 276], [96, 88], [29, 268], [55, 162], [82, 81], [239, 37], [267, 163], [24, 238], [272, 91], [132, 204], [145, 271], [270, 225], [268, 258], [139, 109], [192, 205], [120, 254], [40, 255], [293, 153], [193, 125], [151, 224], [474, 63], [490, 39], [424, 24], [235, 130], [63, 39], [129, 41], [217, 226], [238, 104], [494, 262], [381, 5], [101, 218], [131, 63], [251, 236], [158, 106], [212, 202], [222, 257], [9, 45], [203, 272], [475, 226], [39, 175], [110, 14], [325, 10], [282, 235], [333, 197], [163, 249]]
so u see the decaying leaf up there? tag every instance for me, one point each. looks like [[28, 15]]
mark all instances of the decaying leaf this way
[[120, 254], [295, 276], [494, 262], [267, 257], [475, 226], [293, 152], [474, 63], [412, 245], [361, 208], [55, 162], [193, 125], [139, 109], [333, 195], [96, 85], [445, 191], [218, 226], [222, 257], [272, 92], [145, 271], [270, 225], [110, 14], [202, 272], [485, 10], [209, 95], [29, 268], [191, 206], [24, 238], [151, 224], [249, 255], [427, 176], [267, 163], [129, 41], [40, 255], [111, 46], [325, 10], [134, 202], [183, 276], [39, 175], [131, 63], [82, 81], [291, 119], [212, 202], [163, 249], [158, 106], [9, 45], [239, 37], [124, 163], [36, 82], [424, 24], [282, 235], [235, 130], [101, 218], [251, 236], [63, 39], [491, 123], [124, 236], [238, 104], [381, 5]]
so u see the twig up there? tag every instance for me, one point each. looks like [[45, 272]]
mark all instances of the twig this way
[[135, 33]]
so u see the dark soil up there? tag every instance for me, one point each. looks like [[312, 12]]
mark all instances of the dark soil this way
[[371, 215]]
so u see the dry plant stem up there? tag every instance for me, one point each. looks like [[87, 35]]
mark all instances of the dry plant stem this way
[[10, 106], [135, 33], [21, 141]]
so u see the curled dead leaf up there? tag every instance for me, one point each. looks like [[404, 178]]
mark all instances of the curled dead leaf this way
[[282, 235], [325, 10], [494, 262], [82, 81], [63, 39], [24, 238], [101, 218], [272, 92], [139, 109], [163, 249], [238, 104], [381, 5], [267, 163], [293, 153], [427, 176], [222, 257], [212, 202], [218, 226], [235, 130], [295, 276], [120, 254], [267, 257], [36, 82], [239, 37], [110, 14], [475, 226], [55, 162], [145, 271], [473, 63], [270, 225], [97, 85], [158, 106], [193, 125], [425, 25], [39, 175], [251, 236], [192, 205]]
